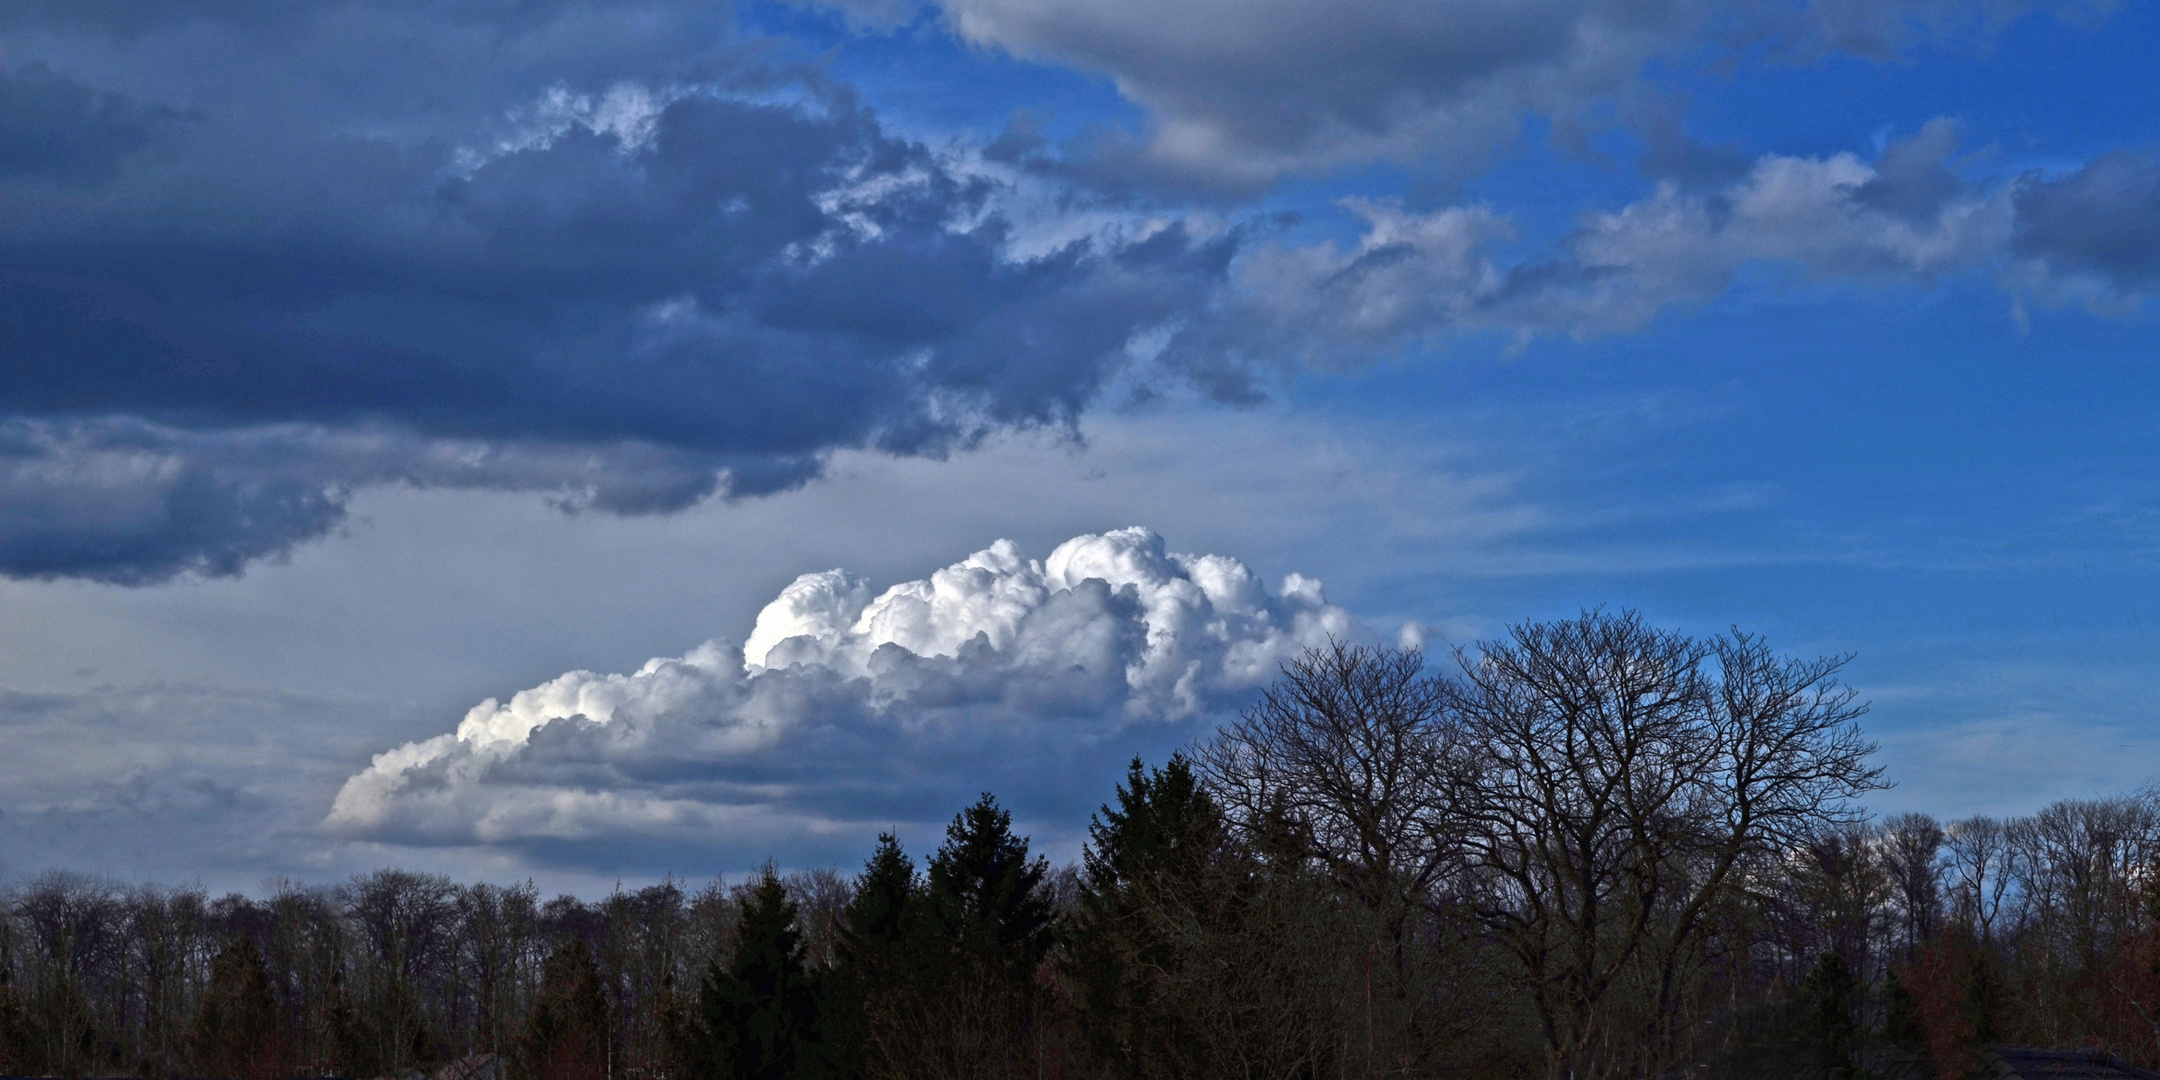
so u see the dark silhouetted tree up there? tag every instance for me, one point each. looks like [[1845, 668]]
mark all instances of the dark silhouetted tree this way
[[235, 1029], [566, 1034], [874, 929], [970, 1005], [1985, 996], [1828, 995], [1628, 776], [15, 1037], [1912, 849], [759, 1012], [985, 900], [1149, 869], [1355, 747], [347, 1047], [1901, 1011], [877, 955]]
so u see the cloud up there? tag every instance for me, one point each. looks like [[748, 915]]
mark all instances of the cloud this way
[[274, 254], [53, 128], [1242, 92], [751, 279], [129, 502], [1881, 31], [1415, 278], [717, 402], [180, 780], [2094, 235], [1902, 218], [848, 710], [604, 231]]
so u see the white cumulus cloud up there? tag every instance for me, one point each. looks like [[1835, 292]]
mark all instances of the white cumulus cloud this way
[[850, 706]]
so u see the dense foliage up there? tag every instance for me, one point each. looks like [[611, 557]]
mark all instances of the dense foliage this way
[[1594, 849]]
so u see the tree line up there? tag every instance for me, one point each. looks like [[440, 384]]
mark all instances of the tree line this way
[[1591, 848]]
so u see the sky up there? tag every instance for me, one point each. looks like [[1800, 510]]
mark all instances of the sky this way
[[588, 440]]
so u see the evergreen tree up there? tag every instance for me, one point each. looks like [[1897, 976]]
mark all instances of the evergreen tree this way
[[235, 1029], [1148, 868], [874, 929], [566, 1034], [1164, 830], [875, 955], [1985, 996], [965, 1002], [984, 902], [760, 1011], [15, 1037], [347, 1039], [1901, 1012], [1827, 994]]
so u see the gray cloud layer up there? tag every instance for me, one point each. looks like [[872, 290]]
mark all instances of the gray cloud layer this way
[[173, 779]]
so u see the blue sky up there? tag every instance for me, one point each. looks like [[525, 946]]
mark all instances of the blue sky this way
[[372, 359]]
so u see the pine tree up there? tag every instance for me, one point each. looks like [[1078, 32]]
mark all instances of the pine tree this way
[[984, 899], [966, 1002], [1164, 832], [875, 927], [347, 1039], [760, 1011], [1828, 993], [1901, 1012], [15, 1040], [235, 1030], [876, 955], [566, 1034], [1985, 996], [1148, 868]]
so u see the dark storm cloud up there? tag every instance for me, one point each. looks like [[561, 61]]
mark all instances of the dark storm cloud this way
[[546, 229], [120, 507]]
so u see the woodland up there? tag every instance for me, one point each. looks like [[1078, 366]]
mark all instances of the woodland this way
[[1591, 848]]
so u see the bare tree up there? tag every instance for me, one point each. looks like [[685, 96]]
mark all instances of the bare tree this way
[[500, 952], [1831, 897], [404, 926], [1355, 748], [73, 927], [167, 933], [1979, 868], [1912, 855], [1629, 771], [820, 895]]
